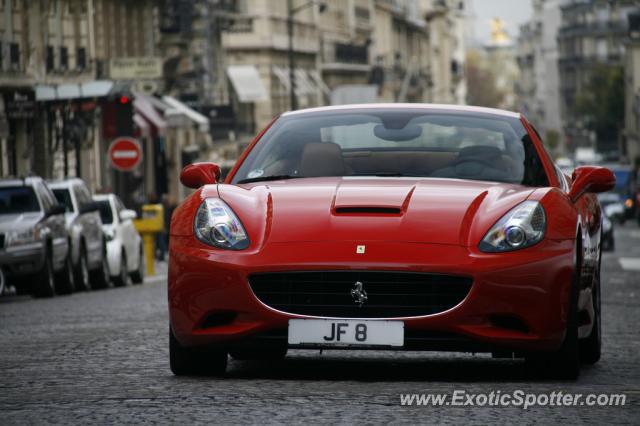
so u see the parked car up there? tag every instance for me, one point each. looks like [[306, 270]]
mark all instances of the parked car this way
[[34, 243], [403, 226], [88, 244], [613, 206], [626, 187], [608, 242], [124, 244]]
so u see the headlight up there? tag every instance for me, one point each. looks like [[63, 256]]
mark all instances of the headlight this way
[[218, 226], [606, 224], [23, 236], [521, 227]]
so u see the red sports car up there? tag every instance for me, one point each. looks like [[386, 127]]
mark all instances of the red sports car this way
[[400, 226]]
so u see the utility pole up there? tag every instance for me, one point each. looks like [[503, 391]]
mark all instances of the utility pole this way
[[292, 81]]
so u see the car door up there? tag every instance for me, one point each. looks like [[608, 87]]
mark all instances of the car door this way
[[91, 225], [129, 235], [55, 224]]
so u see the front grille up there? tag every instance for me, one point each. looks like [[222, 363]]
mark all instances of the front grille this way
[[389, 294]]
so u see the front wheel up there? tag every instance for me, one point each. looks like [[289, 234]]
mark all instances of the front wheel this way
[[65, 282], [122, 279], [563, 363], [101, 277], [591, 347], [44, 285], [137, 276], [188, 361]]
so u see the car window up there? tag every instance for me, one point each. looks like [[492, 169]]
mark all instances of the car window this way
[[18, 199], [82, 195], [397, 143], [64, 197], [119, 205], [43, 195], [106, 214]]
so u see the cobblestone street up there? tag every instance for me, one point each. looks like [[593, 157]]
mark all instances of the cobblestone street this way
[[102, 357]]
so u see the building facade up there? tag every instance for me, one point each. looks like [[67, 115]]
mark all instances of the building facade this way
[[631, 147], [591, 36], [537, 90]]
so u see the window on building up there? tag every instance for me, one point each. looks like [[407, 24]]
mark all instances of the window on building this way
[[50, 65], [64, 58], [81, 58], [14, 54]]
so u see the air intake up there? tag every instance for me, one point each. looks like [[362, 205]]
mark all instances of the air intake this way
[[369, 210]]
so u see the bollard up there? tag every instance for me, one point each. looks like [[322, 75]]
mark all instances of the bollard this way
[[149, 225]]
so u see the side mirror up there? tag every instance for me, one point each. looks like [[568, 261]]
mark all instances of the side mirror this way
[[198, 174], [128, 215], [89, 207], [591, 179], [57, 209]]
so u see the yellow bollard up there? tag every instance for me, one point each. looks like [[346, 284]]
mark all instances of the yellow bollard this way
[[149, 225], [149, 252]]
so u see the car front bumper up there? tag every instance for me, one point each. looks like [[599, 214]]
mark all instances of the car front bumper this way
[[530, 285], [23, 259]]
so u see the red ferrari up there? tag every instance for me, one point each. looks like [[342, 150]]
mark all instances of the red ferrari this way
[[400, 226]]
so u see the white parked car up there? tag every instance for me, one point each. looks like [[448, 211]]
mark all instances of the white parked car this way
[[124, 244]]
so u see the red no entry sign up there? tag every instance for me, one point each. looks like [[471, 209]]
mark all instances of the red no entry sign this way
[[125, 154]]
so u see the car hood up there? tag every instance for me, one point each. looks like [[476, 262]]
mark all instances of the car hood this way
[[19, 220], [427, 210]]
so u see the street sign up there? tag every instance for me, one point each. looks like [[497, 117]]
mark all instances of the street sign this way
[[125, 154]]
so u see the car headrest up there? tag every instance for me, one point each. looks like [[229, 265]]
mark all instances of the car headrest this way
[[321, 159]]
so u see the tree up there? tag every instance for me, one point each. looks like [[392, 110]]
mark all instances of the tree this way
[[601, 104], [481, 82]]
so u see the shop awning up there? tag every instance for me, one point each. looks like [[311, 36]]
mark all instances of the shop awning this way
[[91, 89], [247, 83], [145, 108], [181, 108], [142, 124]]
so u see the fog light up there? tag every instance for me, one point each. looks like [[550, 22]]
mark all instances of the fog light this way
[[515, 236]]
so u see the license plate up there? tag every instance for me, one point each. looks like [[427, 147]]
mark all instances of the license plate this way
[[345, 332]]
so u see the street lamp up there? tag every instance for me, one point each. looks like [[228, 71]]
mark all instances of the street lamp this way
[[291, 11]]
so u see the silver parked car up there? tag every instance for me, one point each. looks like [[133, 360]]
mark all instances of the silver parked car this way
[[34, 243], [88, 244]]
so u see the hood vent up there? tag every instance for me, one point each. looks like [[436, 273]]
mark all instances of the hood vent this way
[[368, 210]]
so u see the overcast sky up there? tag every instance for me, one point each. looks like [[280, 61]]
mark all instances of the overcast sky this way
[[513, 12]]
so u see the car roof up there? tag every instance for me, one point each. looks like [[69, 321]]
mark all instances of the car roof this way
[[65, 183], [14, 181], [103, 197], [408, 106]]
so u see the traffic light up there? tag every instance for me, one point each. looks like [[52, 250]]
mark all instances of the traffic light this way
[[124, 115]]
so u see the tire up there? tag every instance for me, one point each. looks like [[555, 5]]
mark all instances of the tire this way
[[101, 277], [44, 285], [65, 280], [81, 272], [563, 363], [186, 361], [123, 278], [591, 347], [3, 282], [137, 276], [270, 354]]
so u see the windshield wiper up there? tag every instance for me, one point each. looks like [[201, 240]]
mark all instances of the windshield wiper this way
[[267, 178]]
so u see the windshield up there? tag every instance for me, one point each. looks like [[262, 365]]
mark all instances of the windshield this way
[[18, 199], [105, 211], [396, 143], [64, 197]]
